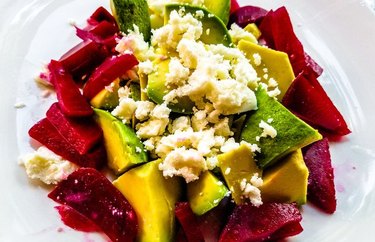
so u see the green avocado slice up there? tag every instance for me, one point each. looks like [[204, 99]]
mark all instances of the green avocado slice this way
[[292, 132], [214, 30], [124, 148]]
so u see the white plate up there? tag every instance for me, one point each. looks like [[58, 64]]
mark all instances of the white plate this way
[[339, 34]]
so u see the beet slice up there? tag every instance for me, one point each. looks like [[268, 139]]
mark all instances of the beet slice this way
[[75, 220], [112, 68], [307, 99], [189, 222], [250, 224], [93, 195], [83, 58], [81, 133], [321, 187], [246, 15], [234, 6], [45, 133], [71, 101], [101, 14]]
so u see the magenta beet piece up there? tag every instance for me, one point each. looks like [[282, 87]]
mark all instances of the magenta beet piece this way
[[90, 193], [189, 222], [321, 187], [253, 224], [246, 15], [112, 68], [234, 6], [316, 69], [45, 133], [81, 133], [307, 99], [101, 14], [73, 219], [71, 101]]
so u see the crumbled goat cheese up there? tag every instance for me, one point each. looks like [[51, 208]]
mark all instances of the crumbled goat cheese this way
[[144, 109], [146, 67], [46, 166], [178, 74], [250, 189], [268, 130], [272, 82], [227, 171], [188, 163], [126, 107], [257, 59], [19, 105], [237, 33]]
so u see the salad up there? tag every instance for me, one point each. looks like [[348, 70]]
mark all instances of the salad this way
[[209, 116]]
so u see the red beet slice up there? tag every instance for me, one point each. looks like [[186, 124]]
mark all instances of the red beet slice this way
[[101, 14], [81, 133], [321, 187], [307, 99], [93, 195], [75, 220], [247, 14], [234, 6], [250, 224], [45, 133], [189, 222], [112, 68], [83, 58], [71, 101]]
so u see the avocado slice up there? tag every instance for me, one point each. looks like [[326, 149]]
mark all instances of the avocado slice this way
[[205, 193], [253, 29], [106, 99], [132, 12], [153, 198], [236, 165], [276, 64], [286, 182], [124, 149], [292, 132], [214, 30], [220, 8], [156, 89]]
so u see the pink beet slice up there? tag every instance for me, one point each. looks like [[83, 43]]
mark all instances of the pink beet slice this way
[[112, 68], [83, 58], [242, 16], [45, 133], [253, 224], [234, 6], [71, 101], [73, 219], [189, 222], [307, 99], [101, 14], [321, 187], [81, 133], [90, 193]]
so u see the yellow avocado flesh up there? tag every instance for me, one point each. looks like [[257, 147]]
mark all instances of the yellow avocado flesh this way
[[236, 165], [253, 29], [153, 198], [205, 193], [220, 8], [286, 182], [276, 64], [107, 99], [124, 149]]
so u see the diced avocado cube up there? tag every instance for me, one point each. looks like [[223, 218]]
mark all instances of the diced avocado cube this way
[[124, 148], [292, 132], [286, 182], [205, 193], [237, 165], [107, 99], [153, 198]]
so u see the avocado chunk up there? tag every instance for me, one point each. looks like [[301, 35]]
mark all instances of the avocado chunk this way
[[214, 30], [107, 99], [274, 64], [292, 132], [237, 165], [153, 198], [156, 89], [124, 149], [253, 29], [220, 8], [205, 193], [286, 182], [132, 12]]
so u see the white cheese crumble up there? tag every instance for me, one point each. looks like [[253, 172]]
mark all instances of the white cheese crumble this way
[[250, 189], [126, 107], [257, 59], [46, 166], [19, 105], [237, 33], [268, 130]]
